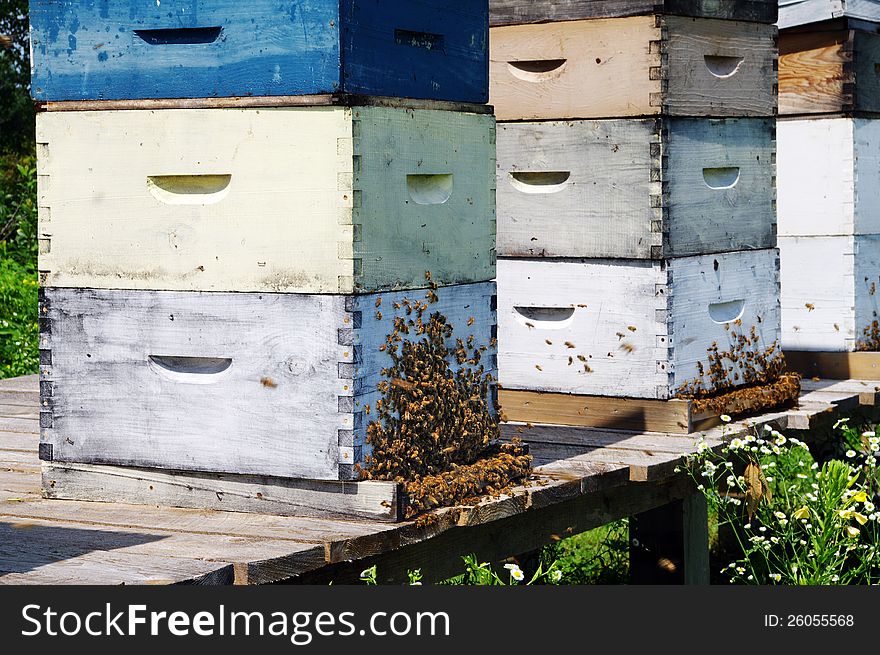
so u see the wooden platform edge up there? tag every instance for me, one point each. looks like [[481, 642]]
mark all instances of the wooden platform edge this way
[[834, 365], [264, 102], [376, 501]]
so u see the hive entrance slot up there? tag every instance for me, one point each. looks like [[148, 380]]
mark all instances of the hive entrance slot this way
[[722, 66], [195, 370], [537, 70], [543, 182], [180, 36], [189, 189], [430, 189], [727, 312], [721, 178], [546, 318]]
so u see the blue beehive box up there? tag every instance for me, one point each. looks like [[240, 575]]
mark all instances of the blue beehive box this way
[[144, 49]]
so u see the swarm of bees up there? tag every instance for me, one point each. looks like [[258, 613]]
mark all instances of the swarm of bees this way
[[870, 341], [434, 430], [745, 378]]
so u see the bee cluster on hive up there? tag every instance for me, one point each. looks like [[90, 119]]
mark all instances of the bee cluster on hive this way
[[870, 341], [434, 429], [747, 377]]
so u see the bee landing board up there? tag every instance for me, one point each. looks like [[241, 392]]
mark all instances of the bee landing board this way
[[646, 188], [829, 68], [628, 328], [827, 176], [249, 384], [830, 291], [640, 66], [299, 200], [85, 50], [516, 12]]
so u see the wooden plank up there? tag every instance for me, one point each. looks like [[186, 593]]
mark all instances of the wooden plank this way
[[306, 235], [814, 75], [20, 462], [19, 424], [713, 68], [811, 416], [440, 557], [517, 12], [558, 182], [222, 48], [377, 501], [595, 411], [618, 439], [866, 390], [273, 355], [30, 398], [23, 441], [264, 102], [27, 383], [618, 315], [835, 365], [38, 548], [9, 410]]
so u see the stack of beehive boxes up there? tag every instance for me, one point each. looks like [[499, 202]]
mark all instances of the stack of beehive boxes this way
[[636, 201], [233, 198], [829, 180]]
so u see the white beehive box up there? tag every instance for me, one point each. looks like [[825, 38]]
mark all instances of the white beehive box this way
[[830, 288], [641, 326], [828, 176], [299, 199]]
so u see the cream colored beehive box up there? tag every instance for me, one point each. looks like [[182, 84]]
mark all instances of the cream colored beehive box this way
[[300, 200]]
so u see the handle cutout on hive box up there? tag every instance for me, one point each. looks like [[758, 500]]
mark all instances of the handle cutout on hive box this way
[[424, 40], [180, 35], [543, 182], [189, 189], [723, 66], [721, 178], [430, 189], [545, 318], [195, 370], [727, 312], [538, 70]]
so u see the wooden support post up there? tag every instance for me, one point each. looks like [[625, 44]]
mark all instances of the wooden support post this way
[[670, 544]]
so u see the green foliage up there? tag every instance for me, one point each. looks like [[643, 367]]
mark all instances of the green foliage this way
[[16, 108], [796, 522], [600, 556], [19, 334]]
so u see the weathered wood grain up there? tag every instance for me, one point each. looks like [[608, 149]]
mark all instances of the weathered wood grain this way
[[206, 48], [24, 384], [828, 307], [304, 200], [633, 67], [378, 501], [252, 384], [865, 389], [640, 326], [602, 188], [517, 12]]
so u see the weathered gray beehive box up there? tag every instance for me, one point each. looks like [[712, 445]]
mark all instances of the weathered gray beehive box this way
[[646, 188]]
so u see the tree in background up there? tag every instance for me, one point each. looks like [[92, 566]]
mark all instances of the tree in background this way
[[18, 197], [16, 108]]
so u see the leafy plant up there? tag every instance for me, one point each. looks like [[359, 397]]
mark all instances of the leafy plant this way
[[796, 522]]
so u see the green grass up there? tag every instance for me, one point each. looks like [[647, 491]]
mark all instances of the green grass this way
[[597, 557]]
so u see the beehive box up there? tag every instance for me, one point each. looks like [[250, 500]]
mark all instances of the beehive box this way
[[829, 68], [133, 49], [639, 66], [628, 328], [793, 13], [250, 384], [516, 12], [829, 291], [828, 169], [305, 199], [635, 188]]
